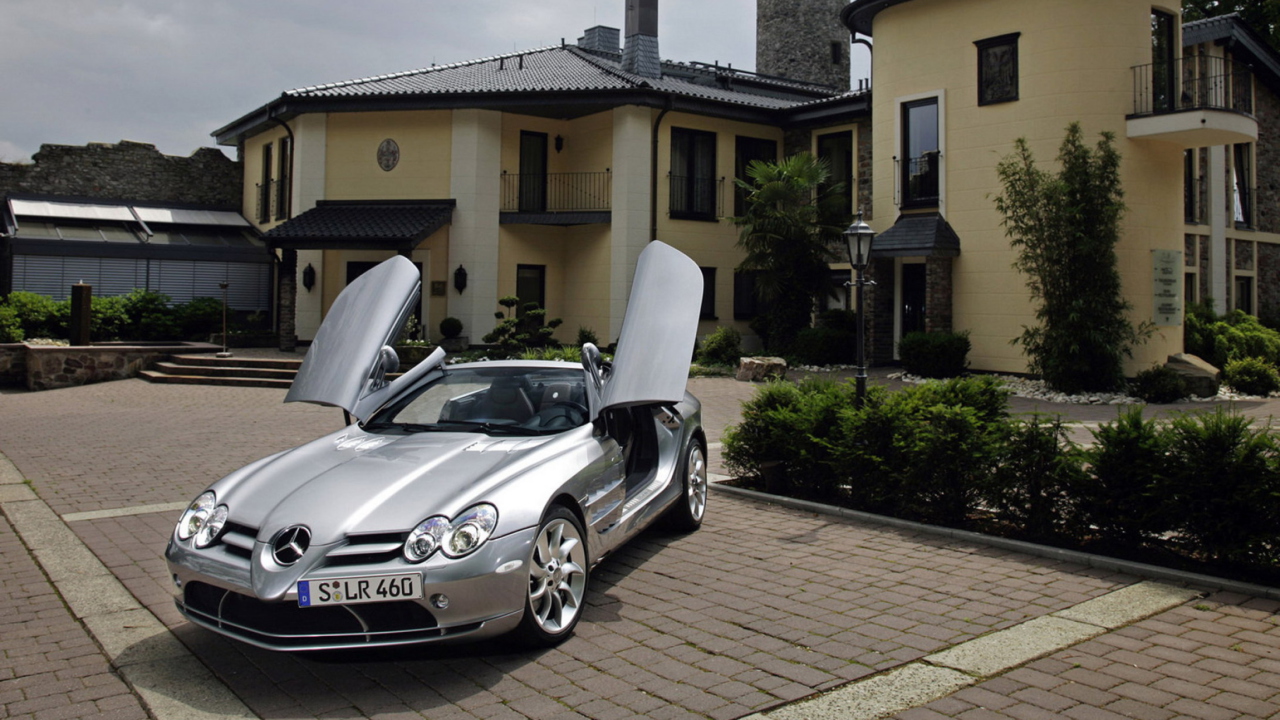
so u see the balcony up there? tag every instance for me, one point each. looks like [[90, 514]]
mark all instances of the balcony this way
[[1193, 102], [556, 198]]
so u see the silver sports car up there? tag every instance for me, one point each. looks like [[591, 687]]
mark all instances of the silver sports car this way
[[466, 500]]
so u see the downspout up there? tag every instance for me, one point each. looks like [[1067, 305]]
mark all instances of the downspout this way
[[853, 38], [653, 172]]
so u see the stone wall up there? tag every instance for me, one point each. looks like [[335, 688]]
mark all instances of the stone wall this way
[[1267, 158], [880, 308], [864, 169], [127, 171], [1268, 282], [796, 39], [47, 367], [938, 291], [13, 364]]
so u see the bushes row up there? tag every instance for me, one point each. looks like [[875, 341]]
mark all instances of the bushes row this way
[[140, 315], [1205, 487]]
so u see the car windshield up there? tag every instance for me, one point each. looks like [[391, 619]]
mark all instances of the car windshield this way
[[497, 401]]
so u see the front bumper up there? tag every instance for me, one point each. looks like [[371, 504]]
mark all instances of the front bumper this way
[[482, 601]]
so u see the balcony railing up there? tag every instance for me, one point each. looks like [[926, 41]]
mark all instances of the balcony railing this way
[[1201, 82], [696, 198], [557, 192], [266, 202], [920, 186]]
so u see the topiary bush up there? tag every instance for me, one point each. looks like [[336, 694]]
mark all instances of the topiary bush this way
[[587, 335], [722, 347], [935, 354], [1251, 376], [1159, 384], [824, 346], [451, 327]]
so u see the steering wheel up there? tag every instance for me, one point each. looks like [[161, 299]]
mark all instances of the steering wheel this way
[[571, 405]]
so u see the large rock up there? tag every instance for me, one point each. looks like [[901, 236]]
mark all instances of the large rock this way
[[1200, 376], [760, 369]]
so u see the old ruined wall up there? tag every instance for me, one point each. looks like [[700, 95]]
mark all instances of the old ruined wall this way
[[127, 171]]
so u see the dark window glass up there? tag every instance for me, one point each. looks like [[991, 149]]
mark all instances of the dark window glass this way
[[79, 232], [693, 174], [922, 162], [837, 150], [284, 184], [264, 187], [998, 69], [708, 294], [1188, 290], [1162, 51], [531, 285], [533, 171], [748, 150], [1244, 294], [746, 299], [1242, 158]]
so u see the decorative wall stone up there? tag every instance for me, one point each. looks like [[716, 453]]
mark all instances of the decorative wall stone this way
[[938, 286], [1268, 282], [796, 39], [864, 169], [880, 307], [51, 367], [127, 171], [1244, 255], [1266, 107]]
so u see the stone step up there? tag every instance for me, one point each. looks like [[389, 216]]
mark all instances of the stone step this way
[[162, 377], [248, 372], [261, 363]]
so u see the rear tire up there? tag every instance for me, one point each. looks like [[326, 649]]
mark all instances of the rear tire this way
[[687, 512], [557, 580]]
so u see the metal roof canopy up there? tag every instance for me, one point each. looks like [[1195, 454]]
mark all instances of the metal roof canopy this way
[[363, 224]]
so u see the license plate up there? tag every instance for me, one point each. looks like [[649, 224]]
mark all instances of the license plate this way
[[350, 591]]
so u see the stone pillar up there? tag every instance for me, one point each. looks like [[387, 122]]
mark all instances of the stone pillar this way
[[287, 302], [880, 307], [803, 40], [937, 294], [863, 169]]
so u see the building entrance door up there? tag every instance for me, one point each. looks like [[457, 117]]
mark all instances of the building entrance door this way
[[911, 310]]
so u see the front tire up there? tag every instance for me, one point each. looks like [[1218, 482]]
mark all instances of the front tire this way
[[687, 512], [558, 574]]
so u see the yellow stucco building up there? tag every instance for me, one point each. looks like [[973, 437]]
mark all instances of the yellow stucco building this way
[[543, 174]]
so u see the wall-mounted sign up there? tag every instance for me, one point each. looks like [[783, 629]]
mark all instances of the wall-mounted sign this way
[[1167, 286], [388, 155]]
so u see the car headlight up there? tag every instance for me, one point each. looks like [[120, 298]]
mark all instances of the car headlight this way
[[209, 531], [457, 538], [196, 514]]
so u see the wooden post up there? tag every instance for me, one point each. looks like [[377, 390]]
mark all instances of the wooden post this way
[[81, 313]]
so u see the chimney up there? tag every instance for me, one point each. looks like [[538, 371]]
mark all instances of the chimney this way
[[600, 38], [640, 54]]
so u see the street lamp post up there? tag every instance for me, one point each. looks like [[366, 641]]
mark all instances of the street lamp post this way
[[858, 239]]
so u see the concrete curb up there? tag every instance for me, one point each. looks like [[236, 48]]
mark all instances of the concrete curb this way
[[171, 683], [1102, 562]]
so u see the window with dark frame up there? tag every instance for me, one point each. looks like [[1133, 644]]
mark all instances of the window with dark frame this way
[[837, 150], [746, 297], [533, 171], [1242, 182], [693, 174], [1244, 294], [748, 149], [708, 311], [264, 187], [284, 185], [998, 69], [922, 164], [531, 286]]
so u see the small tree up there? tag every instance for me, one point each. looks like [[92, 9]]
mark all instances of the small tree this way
[[791, 224], [1065, 227]]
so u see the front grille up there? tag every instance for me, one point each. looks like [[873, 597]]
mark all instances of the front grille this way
[[371, 549], [237, 539], [285, 626]]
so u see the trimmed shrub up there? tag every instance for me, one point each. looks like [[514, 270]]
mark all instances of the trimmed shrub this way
[[721, 347], [530, 328], [1127, 463], [1222, 486], [587, 335], [110, 319], [825, 346], [10, 327], [1159, 384], [37, 315], [1251, 376], [200, 318], [1233, 336], [149, 316], [935, 354], [1037, 468], [785, 436], [451, 327]]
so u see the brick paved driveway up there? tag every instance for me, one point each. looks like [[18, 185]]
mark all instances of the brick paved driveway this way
[[763, 605]]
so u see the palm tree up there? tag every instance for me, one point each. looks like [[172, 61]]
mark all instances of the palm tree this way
[[791, 231]]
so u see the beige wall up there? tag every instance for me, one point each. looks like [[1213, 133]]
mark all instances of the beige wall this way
[[588, 142], [1074, 65], [710, 244], [352, 170]]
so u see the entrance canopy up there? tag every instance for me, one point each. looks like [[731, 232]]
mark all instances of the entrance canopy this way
[[396, 225], [926, 234]]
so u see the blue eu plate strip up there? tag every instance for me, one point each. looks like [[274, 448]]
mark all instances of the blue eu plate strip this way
[[304, 593]]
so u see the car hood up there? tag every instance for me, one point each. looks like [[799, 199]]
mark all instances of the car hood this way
[[352, 482]]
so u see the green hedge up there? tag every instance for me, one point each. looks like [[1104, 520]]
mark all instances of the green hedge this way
[[1201, 488], [140, 315], [935, 354]]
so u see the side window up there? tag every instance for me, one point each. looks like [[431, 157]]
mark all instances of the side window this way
[[921, 166], [264, 187], [746, 299], [998, 69], [531, 285], [708, 294], [693, 174], [749, 149], [837, 150]]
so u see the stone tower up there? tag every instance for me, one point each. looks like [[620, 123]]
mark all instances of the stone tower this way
[[803, 40]]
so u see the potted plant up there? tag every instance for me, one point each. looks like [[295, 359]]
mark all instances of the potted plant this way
[[452, 339]]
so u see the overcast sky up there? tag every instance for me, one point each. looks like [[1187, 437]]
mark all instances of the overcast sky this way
[[169, 72]]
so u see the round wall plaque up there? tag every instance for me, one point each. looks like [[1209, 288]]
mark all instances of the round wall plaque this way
[[388, 154]]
